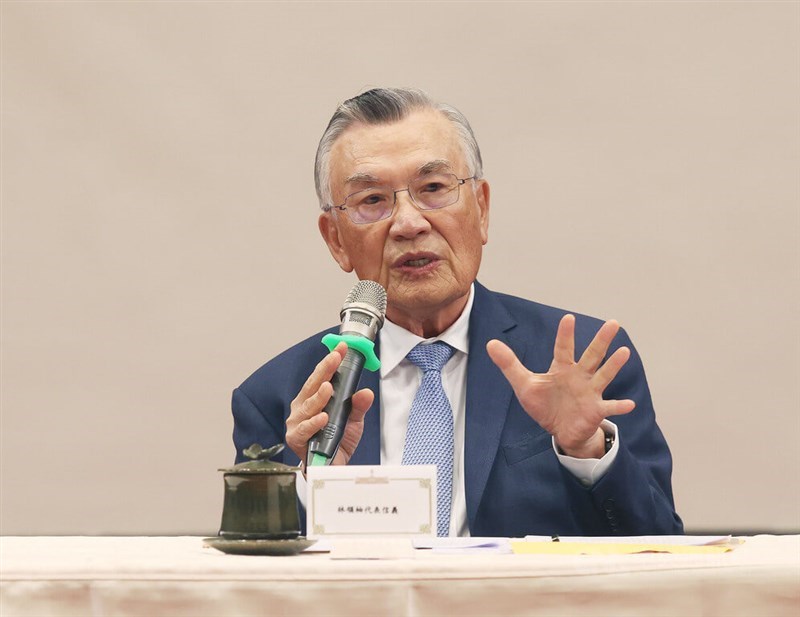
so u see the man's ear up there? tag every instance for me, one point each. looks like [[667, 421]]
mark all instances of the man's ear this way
[[483, 195], [329, 228]]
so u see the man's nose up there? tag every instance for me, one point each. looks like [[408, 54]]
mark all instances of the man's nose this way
[[408, 221]]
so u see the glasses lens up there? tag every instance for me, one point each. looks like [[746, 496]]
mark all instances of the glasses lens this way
[[370, 205], [433, 191]]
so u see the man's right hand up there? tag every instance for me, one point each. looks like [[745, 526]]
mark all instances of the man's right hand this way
[[307, 417]]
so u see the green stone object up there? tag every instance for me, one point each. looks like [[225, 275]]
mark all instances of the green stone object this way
[[260, 498]]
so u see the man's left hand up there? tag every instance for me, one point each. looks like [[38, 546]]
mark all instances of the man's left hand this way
[[567, 401]]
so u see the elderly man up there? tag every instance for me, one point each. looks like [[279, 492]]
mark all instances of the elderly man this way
[[485, 385]]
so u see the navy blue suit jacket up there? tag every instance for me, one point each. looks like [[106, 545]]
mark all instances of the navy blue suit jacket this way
[[513, 481]]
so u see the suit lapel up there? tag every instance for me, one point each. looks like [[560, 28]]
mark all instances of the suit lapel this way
[[488, 393]]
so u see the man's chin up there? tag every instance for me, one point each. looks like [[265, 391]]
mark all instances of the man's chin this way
[[423, 300]]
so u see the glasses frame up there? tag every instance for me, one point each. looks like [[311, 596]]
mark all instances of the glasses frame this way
[[344, 208]]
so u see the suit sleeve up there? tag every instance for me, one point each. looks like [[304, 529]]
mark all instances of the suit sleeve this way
[[251, 426], [634, 497], [262, 403]]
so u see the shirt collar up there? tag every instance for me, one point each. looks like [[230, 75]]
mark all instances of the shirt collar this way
[[396, 341]]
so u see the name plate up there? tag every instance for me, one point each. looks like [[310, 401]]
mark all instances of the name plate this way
[[362, 500]]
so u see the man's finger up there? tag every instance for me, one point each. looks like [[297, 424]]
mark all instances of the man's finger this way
[[597, 349], [507, 361], [617, 408], [564, 350], [606, 373], [362, 401], [316, 402], [297, 438], [322, 372]]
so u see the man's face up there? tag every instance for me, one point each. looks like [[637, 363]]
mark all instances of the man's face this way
[[426, 260]]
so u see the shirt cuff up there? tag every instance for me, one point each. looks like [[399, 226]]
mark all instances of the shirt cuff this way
[[590, 470]]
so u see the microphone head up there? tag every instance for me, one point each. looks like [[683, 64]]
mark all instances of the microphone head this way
[[368, 292], [364, 309]]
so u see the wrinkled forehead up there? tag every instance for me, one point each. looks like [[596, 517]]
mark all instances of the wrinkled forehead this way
[[422, 142], [425, 170]]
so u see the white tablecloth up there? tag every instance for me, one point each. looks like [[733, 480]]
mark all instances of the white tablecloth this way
[[179, 576]]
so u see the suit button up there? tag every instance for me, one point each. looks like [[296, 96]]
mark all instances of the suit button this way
[[608, 505]]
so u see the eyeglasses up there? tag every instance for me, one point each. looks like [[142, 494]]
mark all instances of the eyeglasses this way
[[428, 192]]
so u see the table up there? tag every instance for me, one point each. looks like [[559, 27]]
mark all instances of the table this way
[[179, 576]]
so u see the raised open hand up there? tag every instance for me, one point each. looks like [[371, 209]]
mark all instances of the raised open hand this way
[[567, 401]]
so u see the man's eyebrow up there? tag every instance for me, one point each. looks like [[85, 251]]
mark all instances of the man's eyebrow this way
[[434, 166], [361, 177]]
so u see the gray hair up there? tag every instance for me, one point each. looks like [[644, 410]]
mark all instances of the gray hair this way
[[384, 106]]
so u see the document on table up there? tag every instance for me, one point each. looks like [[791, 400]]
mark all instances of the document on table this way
[[463, 545], [388, 548], [544, 545], [574, 545], [676, 540]]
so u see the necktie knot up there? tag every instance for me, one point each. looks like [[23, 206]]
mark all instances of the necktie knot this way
[[431, 357]]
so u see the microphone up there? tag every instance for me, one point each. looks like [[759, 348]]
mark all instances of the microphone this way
[[362, 316]]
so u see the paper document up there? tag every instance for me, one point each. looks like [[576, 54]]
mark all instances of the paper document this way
[[573, 545], [673, 540], [463, 545]]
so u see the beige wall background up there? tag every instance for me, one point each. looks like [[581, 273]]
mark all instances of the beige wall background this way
[[159, 225]]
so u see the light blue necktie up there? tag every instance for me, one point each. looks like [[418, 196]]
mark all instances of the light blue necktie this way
[[429, 436]]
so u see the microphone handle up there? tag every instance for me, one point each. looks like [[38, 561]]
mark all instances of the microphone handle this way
[[345, 383]]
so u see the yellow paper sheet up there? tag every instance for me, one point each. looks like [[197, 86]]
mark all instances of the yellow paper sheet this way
[[591, 548]]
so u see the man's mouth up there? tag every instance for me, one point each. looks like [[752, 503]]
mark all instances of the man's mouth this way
[[417, 261]]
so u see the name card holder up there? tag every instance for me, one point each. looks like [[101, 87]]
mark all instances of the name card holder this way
[[365, 500]]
